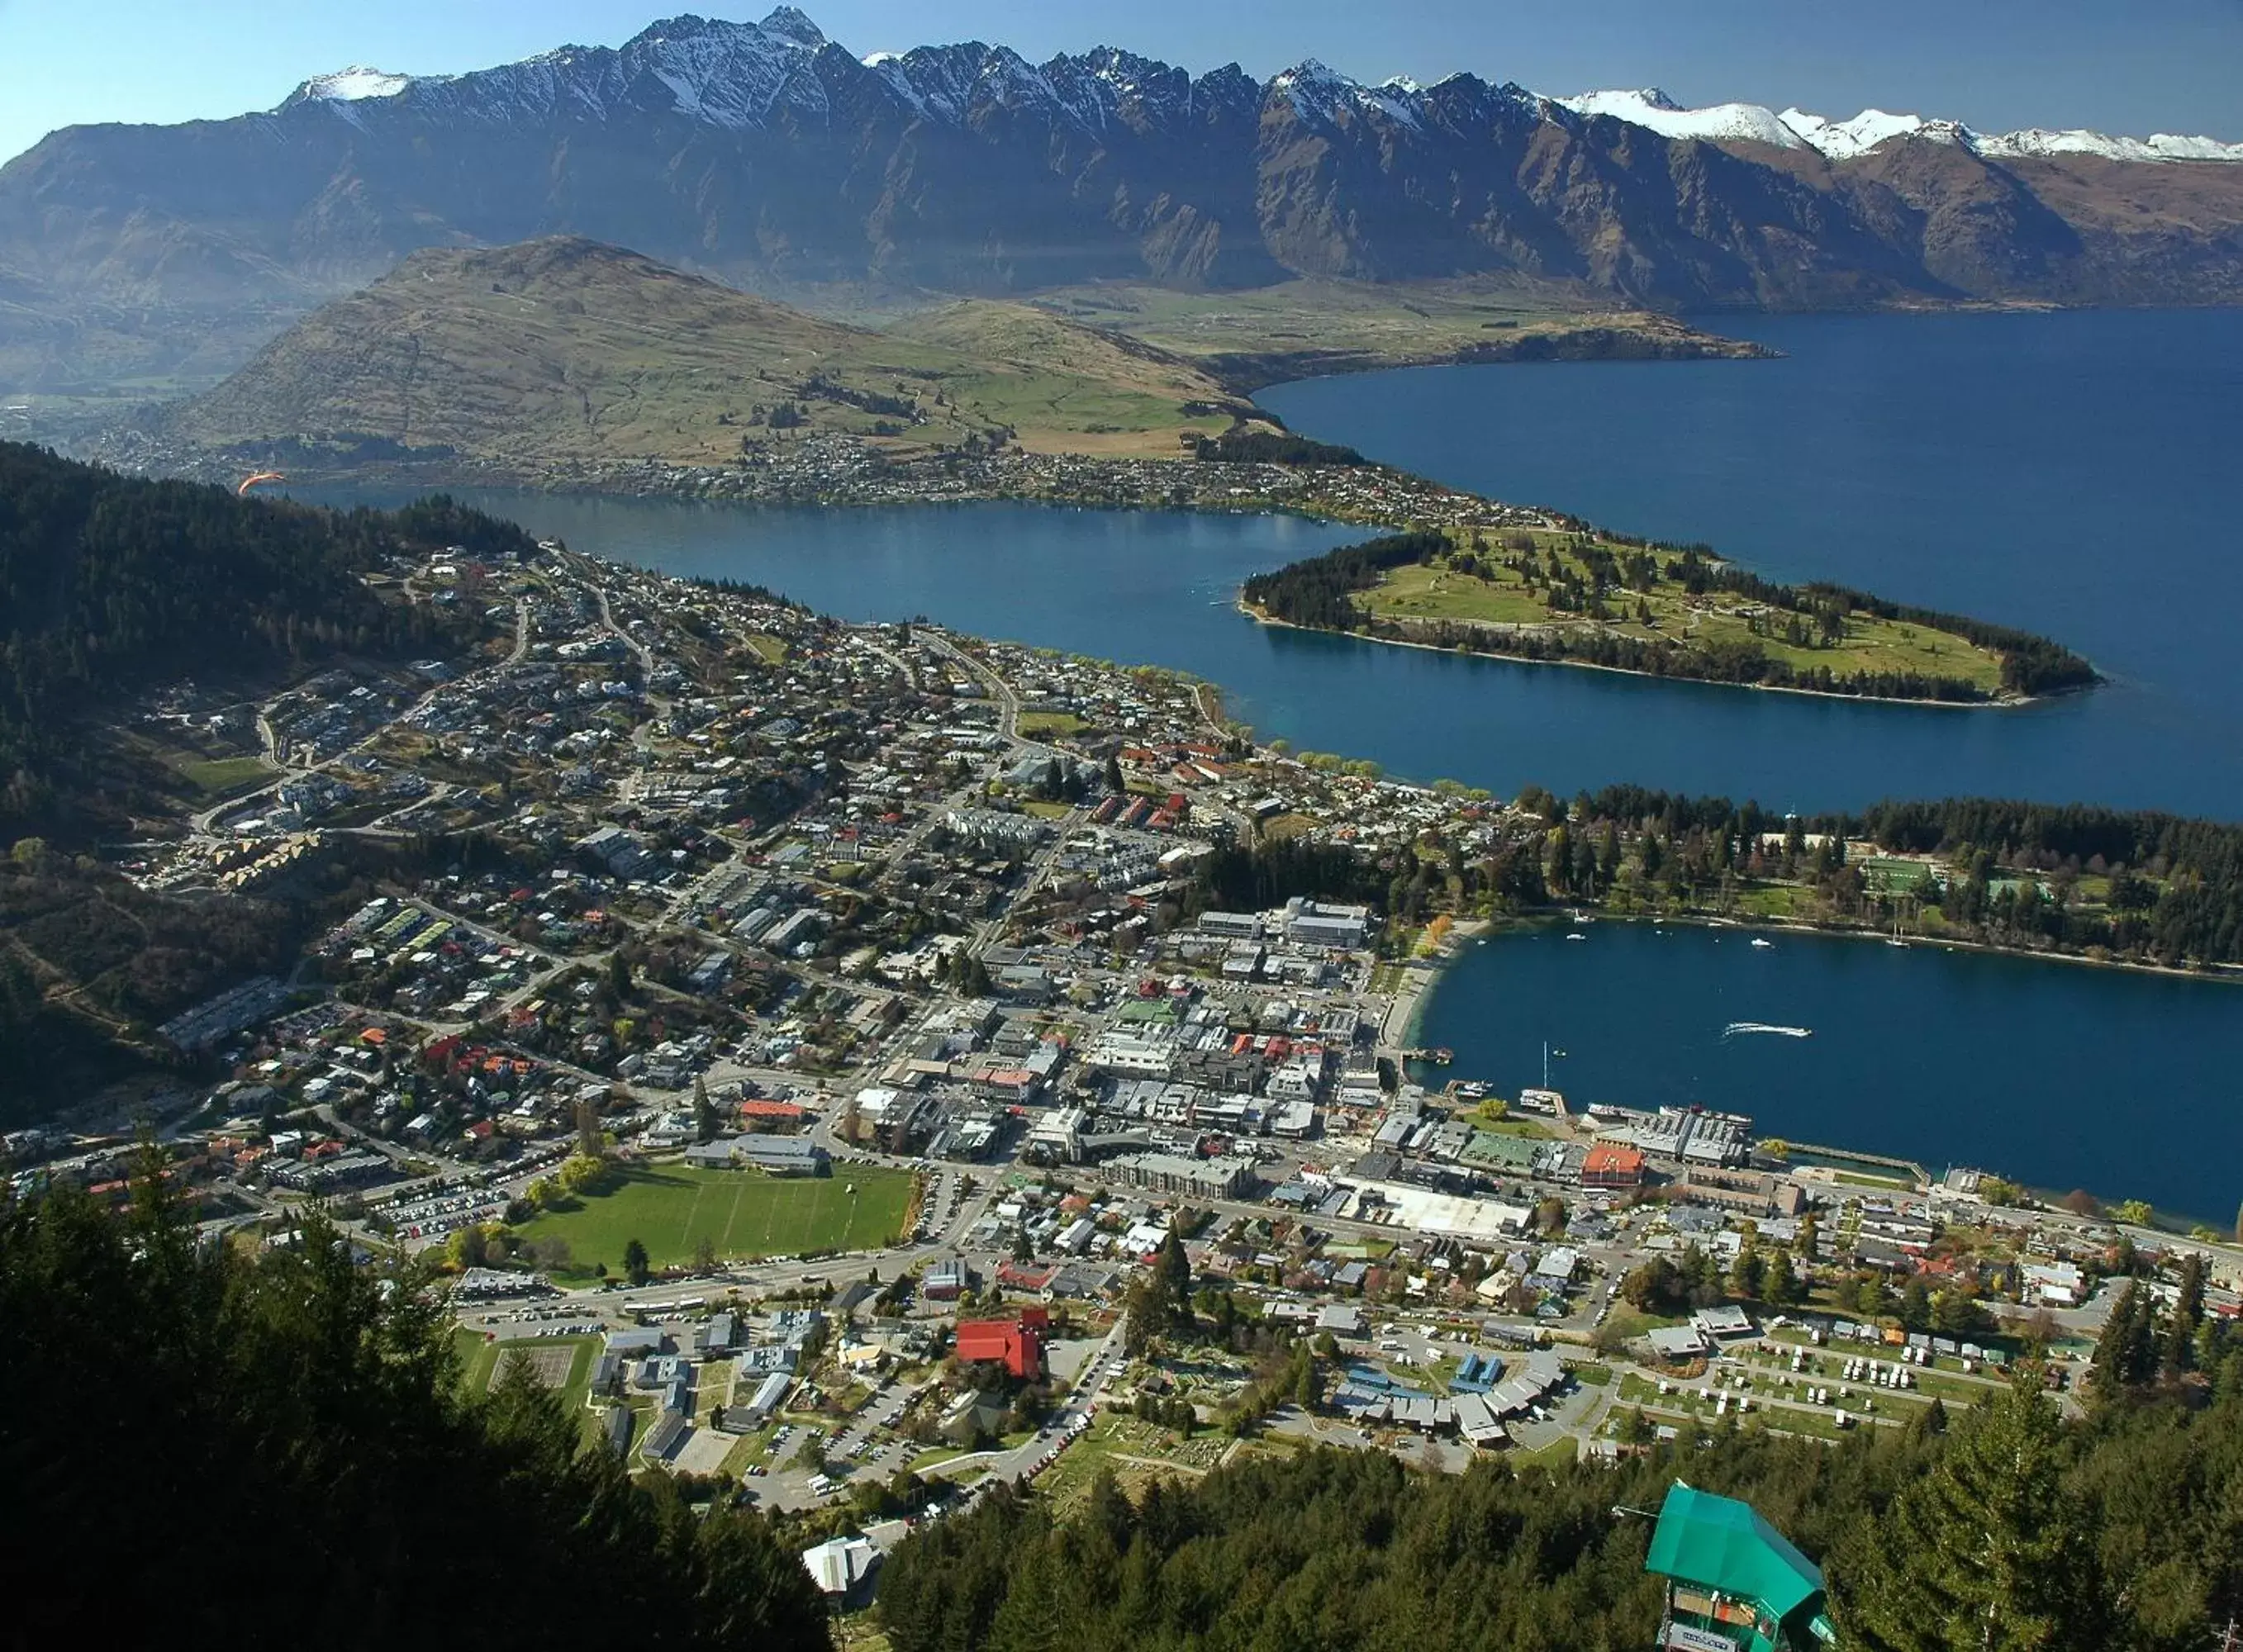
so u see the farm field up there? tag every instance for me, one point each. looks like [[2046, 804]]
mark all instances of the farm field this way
[[670, 1209]]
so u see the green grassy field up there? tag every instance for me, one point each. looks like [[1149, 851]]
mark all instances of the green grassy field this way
[[222, 777], [1500, 597], [479, 1363], [672, 1208], [1045, 725]]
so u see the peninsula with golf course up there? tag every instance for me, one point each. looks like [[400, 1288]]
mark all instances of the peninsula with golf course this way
[[1572, 595]]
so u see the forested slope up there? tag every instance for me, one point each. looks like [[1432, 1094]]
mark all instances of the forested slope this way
[[110, 583], [205, 1451], [2014, 1531]]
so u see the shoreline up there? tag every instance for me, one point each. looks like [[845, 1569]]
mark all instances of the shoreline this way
[[2000, 703], [2220, 975], [1431, 974]]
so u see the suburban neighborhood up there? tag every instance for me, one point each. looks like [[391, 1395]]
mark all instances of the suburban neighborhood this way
[[858, 1066]]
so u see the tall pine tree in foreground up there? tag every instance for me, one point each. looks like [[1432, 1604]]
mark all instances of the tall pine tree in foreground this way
[[206, 1449], [1986, 1552]]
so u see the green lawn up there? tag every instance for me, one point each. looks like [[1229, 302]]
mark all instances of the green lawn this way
[[481, 1362], [1045, 725], [671, 1208], [221, 776]]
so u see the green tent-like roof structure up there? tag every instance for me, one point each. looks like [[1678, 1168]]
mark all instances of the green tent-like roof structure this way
[[1722, 1544]]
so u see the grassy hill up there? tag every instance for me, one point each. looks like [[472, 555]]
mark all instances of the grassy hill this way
[[566, 351]]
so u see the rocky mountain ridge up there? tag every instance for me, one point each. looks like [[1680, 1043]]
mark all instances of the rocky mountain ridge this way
[[766, 156]]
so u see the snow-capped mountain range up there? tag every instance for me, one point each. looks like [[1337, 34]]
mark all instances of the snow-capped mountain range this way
[[1844, 140], [768, 155], [741, 75]]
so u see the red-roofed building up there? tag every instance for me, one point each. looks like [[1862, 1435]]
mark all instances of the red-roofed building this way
[[784, 1112], [1018, 1343], [1610, 1164]]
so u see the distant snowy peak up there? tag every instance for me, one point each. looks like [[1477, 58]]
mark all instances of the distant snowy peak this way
[[1721, 122], [1842, 140], [2158, 146], [1845, 140], [746, 74], [350, 86]]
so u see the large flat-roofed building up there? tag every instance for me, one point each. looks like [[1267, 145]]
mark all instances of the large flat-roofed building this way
[[1194, 1178], [1058, 1134], [1323, 924], [1755, 1192], [945, 1281], [780, 1155]]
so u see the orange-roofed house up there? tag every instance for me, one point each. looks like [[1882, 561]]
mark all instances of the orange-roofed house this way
[[1610, 1164]]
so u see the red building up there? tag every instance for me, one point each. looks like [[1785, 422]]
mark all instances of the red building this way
[[1017, 1343], [1610, 1164]]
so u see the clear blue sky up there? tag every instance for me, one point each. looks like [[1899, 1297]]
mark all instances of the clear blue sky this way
[[2119, 65]]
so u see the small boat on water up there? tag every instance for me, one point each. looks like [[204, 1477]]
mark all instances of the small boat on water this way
[[1577, 936], [1736, 1029], [1762, 941]]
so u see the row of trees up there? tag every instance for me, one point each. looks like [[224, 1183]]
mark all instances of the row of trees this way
[[2005, 1529], [1315, 591], [1237, 446]]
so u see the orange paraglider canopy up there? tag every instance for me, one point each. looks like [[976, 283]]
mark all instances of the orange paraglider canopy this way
[[248, 482]]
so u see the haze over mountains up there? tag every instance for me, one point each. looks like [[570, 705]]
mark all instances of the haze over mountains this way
[[767, 157]]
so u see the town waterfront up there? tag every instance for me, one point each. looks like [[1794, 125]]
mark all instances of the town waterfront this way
[[2072, 478], [2058, 1075], [2070, 474]]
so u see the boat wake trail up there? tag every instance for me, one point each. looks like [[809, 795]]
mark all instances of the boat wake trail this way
[[1739, 1029]]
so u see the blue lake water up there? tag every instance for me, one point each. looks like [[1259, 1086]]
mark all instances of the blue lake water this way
[[2072, 473], [2059, 1075], [2077, 474]]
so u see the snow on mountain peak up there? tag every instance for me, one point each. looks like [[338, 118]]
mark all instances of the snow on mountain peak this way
[[350, 86], [1653, 108], [795, 24], [1844, 140], [2158, 146], [1320, 93], [736, 74]]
